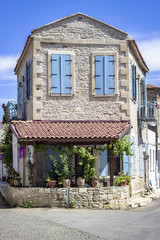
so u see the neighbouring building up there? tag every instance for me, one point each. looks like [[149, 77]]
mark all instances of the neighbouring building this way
[[153, 96], [82, 81]]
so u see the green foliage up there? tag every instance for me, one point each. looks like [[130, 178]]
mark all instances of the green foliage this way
[[72, 203], [86, 160], [28, 204], [39, 147], [6, 145], [120, 146], [123, 178], [30, 167], [63, 169], [60, 169], [12, 174]]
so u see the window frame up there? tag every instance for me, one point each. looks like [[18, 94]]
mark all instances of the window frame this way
[[108, 53], [50, 53]]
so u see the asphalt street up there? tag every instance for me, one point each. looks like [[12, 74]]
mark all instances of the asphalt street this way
[[44, 223]]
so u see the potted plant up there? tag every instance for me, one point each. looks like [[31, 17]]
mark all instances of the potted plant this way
[[95, 181], [51, 183], [122, 180], [65, 174], [16, 179], [93, 178], [60, 170], [80, 182]]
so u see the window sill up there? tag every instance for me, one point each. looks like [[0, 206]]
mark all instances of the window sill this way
[[104, 96], [61, 95]]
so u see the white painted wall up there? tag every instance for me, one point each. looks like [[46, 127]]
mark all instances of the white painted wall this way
[[15, 152], [152, 158]]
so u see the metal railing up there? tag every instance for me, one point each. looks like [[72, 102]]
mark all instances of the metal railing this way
[[12, 110], [147, 112]]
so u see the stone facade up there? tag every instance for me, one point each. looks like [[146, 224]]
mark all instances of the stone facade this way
[[103, 198], [83, 37]]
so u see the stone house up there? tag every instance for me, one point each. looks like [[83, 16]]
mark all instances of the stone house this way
[[82, 81]]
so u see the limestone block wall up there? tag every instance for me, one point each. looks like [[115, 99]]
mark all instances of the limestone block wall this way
[[138, 181], [108, 198], [82, 37], [20, 74]]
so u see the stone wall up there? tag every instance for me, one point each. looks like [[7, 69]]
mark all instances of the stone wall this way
[[105, 197]]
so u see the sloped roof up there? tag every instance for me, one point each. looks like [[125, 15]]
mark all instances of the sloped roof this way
[[152, 86], [78, 14], [68, 131]]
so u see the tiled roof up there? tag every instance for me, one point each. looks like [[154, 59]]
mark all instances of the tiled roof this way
[[152, 86], [69, 131]]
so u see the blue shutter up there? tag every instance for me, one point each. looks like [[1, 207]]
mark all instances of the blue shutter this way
[[104, 163], [133, 158], [99, 75], [25, 81], [30, 77], [141, 159], [131, 82], [56, 73], [109, 75], [126, 163], [65, 74], [144, 90], [135, 83]]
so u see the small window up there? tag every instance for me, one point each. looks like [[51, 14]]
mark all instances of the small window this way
[[134, 82], [61, 74], [104, 74]]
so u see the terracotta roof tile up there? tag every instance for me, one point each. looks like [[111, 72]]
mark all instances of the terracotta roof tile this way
[[69, 131], [152, 86]]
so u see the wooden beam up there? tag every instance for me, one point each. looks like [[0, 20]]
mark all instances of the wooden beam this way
[[112, 170], [35, 169]]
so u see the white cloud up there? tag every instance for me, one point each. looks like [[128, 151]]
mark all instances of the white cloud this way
[[150, 49], [5, 100], [7, 64]]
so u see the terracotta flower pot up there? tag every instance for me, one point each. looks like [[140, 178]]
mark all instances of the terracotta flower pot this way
[[52, 184], [95, 183], [122, 184], [80, 182], [16, 182], [66, 183], [11, 182]]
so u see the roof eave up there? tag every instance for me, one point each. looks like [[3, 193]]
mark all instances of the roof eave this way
[[29, 38], [136, 50]]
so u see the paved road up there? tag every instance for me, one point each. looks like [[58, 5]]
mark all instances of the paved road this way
[[67, 224]]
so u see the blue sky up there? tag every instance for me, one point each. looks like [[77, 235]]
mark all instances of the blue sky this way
[[139, 18]]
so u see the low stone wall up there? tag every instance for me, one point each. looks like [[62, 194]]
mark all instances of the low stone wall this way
[[104, 197]]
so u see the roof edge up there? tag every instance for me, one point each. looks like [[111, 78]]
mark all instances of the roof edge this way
[[23, 51], [139, 53], [75, 14]]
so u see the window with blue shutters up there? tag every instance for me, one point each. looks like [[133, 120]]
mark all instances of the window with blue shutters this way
[[104, 75], [25, 82], [133, 82], [61, 74], [30, 78], [19, 91], [126, 163]]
